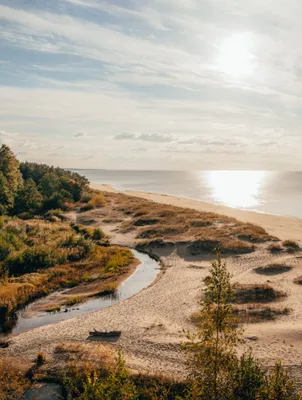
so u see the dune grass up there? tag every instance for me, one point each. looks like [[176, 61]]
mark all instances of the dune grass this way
[[275, 248], [273, 269], [298, 280], [13, 380], [256, 293], [291, 245], [254, 313], [151, 222]]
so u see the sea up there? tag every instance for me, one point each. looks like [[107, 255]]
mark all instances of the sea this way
[[271, 192]]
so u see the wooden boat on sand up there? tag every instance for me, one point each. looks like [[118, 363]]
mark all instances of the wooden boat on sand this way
[[106, 335]]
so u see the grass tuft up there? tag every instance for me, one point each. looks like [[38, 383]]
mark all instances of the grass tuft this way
[[258, 293], [273, 269]]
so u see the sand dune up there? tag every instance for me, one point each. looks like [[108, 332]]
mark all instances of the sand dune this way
[[153, 321]]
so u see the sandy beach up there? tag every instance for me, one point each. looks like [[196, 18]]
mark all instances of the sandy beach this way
[[153, 321]]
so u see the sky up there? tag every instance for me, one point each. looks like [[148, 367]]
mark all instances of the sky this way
[[152, 84]]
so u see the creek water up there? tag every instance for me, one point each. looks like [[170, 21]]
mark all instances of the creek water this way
[[143, 276]]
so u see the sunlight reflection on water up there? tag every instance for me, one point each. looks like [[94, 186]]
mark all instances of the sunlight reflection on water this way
[[236, 188]]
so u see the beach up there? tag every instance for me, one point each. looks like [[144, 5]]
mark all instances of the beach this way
[[153, 322]]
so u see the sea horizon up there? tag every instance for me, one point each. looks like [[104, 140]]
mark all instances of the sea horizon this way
[[264, 191]]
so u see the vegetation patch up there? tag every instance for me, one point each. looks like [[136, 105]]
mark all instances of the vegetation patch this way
[[71, 301], [291, 245], [298, 280], [273, 269], [13, 380], [108, 289], [203, 231], [275, 248], [39, 257], [258, 293], [53, 308], [254, 313]]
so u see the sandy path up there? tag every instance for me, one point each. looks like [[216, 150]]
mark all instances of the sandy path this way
[[152, 322]]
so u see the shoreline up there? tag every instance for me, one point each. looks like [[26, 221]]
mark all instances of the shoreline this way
[[284, 227]]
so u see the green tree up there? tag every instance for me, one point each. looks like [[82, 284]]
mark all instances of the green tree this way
[[10, 178], [28, 198], [6, 195], [280, 386], [118, 385], [248, 379], [49, 184], [211, 352]]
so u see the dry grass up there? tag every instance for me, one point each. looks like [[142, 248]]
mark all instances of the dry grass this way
[[99, 354], [107, 289], [275, 248], [13, 381], [250, 314], [53, 308], [60, 255], [273, 269], [96, 201], [254, 313], [291, 245], [298, 280], [257, 293], [71, 301], [156, 222]]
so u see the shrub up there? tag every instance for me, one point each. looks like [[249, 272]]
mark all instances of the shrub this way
[[13, 382], [98, 234], [71, 301], [273, 269], [96, 201], [5, 249], [248, 378], [40, 359], [30, 260], [298, 280], [275, 248], [256, 294], [291, 245]]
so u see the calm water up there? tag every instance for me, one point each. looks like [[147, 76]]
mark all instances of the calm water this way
[[144, 275], [264, 191]]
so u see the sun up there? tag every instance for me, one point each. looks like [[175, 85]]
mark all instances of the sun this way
[[235, 55]]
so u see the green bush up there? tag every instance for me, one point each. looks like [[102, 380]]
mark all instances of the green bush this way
[[98, 234], [30, 260]]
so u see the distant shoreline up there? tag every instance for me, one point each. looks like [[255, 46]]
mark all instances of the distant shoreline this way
[[280, 226]]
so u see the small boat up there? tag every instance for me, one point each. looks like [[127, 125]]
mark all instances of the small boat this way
[[106, 335]]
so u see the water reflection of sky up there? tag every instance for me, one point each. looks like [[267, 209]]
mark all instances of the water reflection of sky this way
[[239, 189]]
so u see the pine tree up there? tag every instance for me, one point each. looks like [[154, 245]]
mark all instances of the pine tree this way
[[211, 352], [28, 198]]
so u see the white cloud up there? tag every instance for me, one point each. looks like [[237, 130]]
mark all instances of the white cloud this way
[[150, 73], [80, 134]]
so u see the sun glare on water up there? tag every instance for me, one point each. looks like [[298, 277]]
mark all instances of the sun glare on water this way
[[235, 56], [237, 189]]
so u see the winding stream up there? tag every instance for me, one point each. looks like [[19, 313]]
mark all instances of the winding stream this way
[[143, 276]]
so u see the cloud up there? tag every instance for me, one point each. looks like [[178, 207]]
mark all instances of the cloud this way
[[145, 137], [160, 72], [155, 137], [125, 136], [80, 135]]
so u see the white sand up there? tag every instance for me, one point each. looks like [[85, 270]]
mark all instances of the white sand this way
[[152, 322]]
